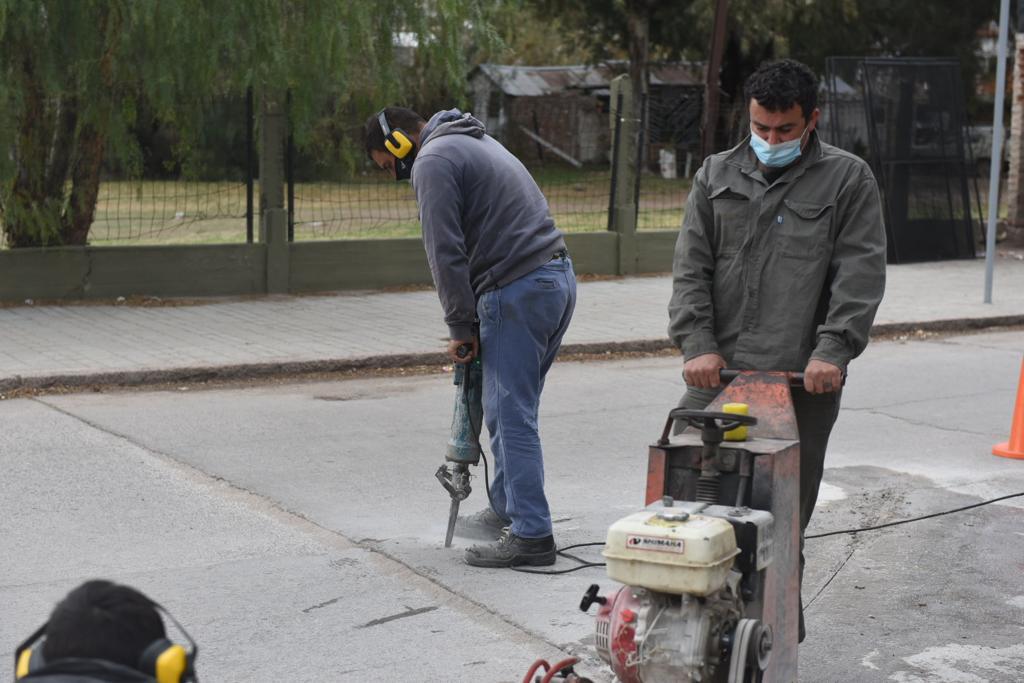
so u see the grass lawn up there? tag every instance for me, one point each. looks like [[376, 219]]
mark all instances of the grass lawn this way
[[185, 212]]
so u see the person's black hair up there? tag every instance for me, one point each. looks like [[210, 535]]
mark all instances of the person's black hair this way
[[777, 86], [397, 117], [103, 620]]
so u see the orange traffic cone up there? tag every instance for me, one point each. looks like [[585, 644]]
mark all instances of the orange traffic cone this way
[[1014, 448]]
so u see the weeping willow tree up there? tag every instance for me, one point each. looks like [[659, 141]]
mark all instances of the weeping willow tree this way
[[73, 72]]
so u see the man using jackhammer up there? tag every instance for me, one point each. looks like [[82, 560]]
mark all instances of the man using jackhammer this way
[[780, 263], [498, 262]]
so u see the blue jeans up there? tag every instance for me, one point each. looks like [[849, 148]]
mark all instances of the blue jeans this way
[[521, 328]]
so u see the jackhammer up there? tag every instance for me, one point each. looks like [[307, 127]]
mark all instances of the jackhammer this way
[[464, 443]]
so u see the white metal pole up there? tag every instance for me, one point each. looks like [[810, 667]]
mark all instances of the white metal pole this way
[[997, 148]]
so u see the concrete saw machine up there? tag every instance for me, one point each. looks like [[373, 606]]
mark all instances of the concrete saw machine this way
[[710, 568]]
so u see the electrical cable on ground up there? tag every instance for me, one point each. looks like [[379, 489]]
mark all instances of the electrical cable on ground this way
[[552, 572], [914, 519]]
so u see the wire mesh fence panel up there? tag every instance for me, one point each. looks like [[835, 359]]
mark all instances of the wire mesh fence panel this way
[[169, 212], [844, 121], [669, 153], [577, 198], [354, 210], [141, 212], [199, 197], [661, 203]]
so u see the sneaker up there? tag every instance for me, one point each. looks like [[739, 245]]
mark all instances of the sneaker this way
[[484, 525], [511, 551]]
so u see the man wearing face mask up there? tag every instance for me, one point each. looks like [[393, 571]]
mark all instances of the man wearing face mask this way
[[497, 261], [780, 263]]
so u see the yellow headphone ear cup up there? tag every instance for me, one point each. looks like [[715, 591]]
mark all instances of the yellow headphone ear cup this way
[[22, 669], [171, 664], [401, 149]]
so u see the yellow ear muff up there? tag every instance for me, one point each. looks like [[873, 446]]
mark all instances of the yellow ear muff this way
[[400, 150], [171, 664], [22, 669]]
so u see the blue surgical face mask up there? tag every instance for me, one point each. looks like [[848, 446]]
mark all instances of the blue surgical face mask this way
[[777, 155]]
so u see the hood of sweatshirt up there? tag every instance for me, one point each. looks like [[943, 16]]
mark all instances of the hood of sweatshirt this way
[[451, 122]]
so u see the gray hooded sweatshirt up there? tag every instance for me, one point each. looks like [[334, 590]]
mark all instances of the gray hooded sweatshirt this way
[[485, 221]]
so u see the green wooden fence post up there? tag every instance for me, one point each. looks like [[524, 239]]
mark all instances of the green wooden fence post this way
[[273, 215]]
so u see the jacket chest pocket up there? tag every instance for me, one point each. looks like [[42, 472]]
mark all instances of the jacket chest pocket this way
[[732, 218], [803, 229]]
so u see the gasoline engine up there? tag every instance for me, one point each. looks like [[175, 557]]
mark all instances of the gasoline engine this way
[[710, 567]]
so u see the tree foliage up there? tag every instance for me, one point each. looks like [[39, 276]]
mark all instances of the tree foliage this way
[[808, 30], [895, 28], [75, 77]]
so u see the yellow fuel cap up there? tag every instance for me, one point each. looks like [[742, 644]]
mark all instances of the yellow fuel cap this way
[[740, 433]]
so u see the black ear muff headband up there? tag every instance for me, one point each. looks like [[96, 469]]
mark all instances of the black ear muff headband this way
[[395, 141], [165, 661]]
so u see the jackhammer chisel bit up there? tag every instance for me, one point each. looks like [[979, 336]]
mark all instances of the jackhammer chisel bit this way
[[456, 482], [453, 516]]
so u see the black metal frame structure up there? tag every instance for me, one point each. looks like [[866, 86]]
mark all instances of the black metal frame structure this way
[[913, 115]]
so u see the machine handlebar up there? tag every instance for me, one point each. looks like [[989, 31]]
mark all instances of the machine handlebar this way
[[796, 379]]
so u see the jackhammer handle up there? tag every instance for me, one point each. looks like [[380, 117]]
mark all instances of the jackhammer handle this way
[[796, 379]]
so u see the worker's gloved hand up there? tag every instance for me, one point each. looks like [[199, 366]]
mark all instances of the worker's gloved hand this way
[[702, 371], [453, 348], [822, 378]]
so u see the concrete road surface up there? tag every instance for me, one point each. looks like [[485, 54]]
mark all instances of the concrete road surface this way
[[296, 530]]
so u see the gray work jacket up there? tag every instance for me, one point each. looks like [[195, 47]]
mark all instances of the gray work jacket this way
[[770, 275]]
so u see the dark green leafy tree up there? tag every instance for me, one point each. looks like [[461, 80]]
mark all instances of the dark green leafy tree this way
[[808, 30], [74, 72]]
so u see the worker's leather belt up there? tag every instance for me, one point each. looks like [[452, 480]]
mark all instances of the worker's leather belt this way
[[560, 254]]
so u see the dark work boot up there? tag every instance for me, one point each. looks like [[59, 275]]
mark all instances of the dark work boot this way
[[513, 551], [484, 525]]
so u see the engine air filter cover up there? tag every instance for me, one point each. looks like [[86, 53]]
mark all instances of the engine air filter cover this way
[[671, 551]]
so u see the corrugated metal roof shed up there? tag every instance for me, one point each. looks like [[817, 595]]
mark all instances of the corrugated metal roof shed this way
[[527, 81]]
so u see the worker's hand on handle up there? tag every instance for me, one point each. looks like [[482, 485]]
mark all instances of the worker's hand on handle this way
[[455, 344], [822, 378], [702, 371]]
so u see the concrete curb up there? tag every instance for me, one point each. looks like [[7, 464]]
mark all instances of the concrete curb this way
[[247, 371]]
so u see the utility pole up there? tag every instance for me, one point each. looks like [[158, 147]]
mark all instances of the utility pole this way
[[997, 147], [711, 87]]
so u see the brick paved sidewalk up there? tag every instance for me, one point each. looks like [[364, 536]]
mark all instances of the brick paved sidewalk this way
[[40, 345]]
